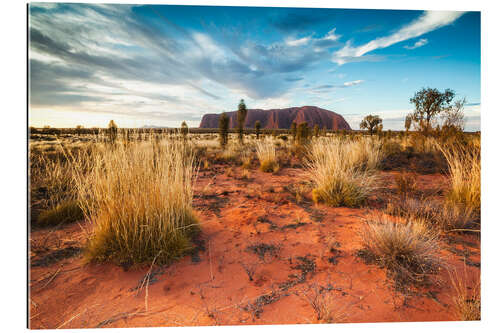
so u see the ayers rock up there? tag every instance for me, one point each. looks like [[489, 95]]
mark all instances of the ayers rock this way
[[282, 118]]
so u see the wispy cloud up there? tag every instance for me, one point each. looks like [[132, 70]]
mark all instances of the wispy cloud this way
[[298, 42], [352, 83], [76, 63], [421, 42], [429, 21], [326, 87]]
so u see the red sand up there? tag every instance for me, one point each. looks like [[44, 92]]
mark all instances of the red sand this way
[[217, 290]]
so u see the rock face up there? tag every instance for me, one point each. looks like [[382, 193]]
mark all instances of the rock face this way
[[282, 118]]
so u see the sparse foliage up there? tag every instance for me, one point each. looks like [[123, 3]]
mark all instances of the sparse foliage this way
[[453, 117], [257, 129], [293, 129], [184, 130], [303, 133], [112, 131], [408, 120], [223, 129], [316, 130], [242, 116]]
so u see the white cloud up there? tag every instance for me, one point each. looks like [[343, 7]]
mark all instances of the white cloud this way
[[331, 35], [327, 41], [298, 42], [429, 21], [353, 83], [419, 43]]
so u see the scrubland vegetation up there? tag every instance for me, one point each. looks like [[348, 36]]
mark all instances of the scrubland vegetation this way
[[133, 193]]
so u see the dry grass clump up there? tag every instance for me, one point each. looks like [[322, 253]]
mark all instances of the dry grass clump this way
[[343, 172], [435, 214], [466, 300], [138, 198], [406, 183], [266, 153], [464, 163], [64, 213], [231, 152], [246, 159], [52, 190], [324, 305], [407, 248]]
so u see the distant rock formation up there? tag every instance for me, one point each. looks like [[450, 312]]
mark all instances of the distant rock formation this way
[[282, 118]]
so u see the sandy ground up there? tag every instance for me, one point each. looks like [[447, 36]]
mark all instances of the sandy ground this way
[[264, 254]]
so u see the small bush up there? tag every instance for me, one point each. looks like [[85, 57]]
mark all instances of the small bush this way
[[407, 249], [64, 213]]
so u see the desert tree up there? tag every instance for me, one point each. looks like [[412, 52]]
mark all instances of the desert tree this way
[[453, 117], [302, 133], [371, 123], [79, 129], [223, 129], [242, 116], [293, 129], [379, 129], [184, 130], [408, 121], [257, 128], [429, 103], [316, 130], [112, 131]]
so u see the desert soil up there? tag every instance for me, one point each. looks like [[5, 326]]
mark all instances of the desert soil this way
[[258, 228]]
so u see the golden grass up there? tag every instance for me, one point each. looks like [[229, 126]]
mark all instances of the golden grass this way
[[266, 153], [52, 176], [64, 213], [442, 216], [138, 198], [466, 300], [327, 308], [407, 247], [464, 163], [406, 183], [343, 172]]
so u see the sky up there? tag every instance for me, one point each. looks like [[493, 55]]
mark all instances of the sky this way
[[159, 65]]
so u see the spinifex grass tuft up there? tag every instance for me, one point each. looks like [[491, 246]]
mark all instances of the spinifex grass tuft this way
[[266, 152], [64, 213], [407, 248], [464, 163], [138, 198], [466, 299], [343, 172]]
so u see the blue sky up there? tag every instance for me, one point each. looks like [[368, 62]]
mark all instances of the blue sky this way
[[160, 65]]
